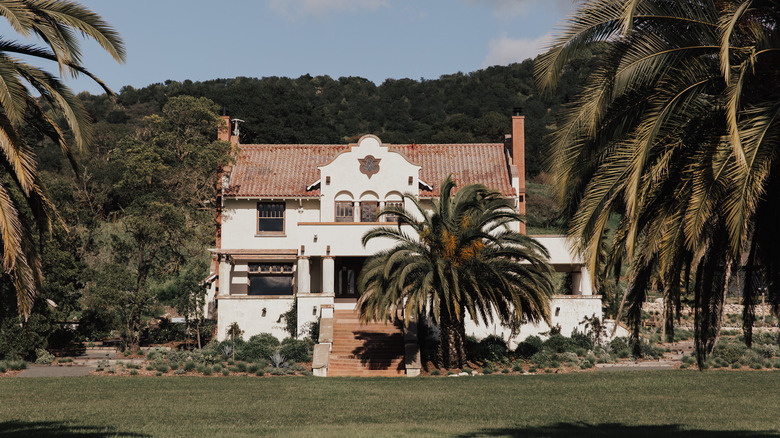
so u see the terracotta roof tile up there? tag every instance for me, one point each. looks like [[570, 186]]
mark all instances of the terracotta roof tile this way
[[285, 170]]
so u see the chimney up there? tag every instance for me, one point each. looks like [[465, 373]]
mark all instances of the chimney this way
[[518, 159], [223, 133]]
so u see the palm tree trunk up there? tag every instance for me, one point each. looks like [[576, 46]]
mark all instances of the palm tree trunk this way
[[451, 352]]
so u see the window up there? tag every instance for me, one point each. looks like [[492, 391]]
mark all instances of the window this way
[[270, 279], [368, 211], [270, 217], [344, 211], [394, 204]]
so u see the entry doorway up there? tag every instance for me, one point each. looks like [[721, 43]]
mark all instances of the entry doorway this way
[[347, 272]]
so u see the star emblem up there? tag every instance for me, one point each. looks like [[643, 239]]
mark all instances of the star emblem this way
[[369, 165]]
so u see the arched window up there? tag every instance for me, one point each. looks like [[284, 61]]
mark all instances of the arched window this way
[[344, 207], [369, 207], [395, 200]]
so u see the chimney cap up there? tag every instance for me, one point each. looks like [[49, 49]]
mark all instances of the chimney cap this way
[[517, 111]]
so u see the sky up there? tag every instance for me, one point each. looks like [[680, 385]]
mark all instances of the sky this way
[[374, 39]]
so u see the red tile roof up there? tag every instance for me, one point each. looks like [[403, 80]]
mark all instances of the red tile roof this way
[[285, 170]]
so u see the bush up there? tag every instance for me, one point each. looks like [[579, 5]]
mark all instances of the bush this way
[[258, 347], [581, 341], [729, 351], [557, 343], [530, 346], [297, 350], [620, 347], [241, 366], [162, 368], [768, 350], [16, 365], [189, 365], [3, 368], [488, 370], [492, 348], [435, 372], [43, 357], [543, 359]]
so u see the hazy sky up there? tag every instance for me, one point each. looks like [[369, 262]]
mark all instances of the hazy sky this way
[[375, 39]]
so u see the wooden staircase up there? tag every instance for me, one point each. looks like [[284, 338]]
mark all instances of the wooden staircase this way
[[374, 349]]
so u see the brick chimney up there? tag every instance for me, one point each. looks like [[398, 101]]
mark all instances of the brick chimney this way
[[224, 131], [518, 159]]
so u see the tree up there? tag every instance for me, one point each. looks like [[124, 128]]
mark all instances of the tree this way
[[464, 261], [168, 173], [676, 132], [22, 194]]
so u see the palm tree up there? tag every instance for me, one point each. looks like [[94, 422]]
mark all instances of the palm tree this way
[[56, 24], [459, 259], [677, 133]]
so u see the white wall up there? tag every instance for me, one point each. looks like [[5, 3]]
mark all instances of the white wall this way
[[239, 224], [346, 177], [567, 311], [248, 311]]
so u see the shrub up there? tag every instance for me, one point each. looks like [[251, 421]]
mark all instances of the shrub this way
[[258, 347], [729, 351], [253, 368], [217, 368], [542, 359], [532, 370], [148, 367], [768, 350], [530, 346], [517, 367], [43, 357], [557, 343], [581, 341], [189, 365], [162, 368], [241, 366], [179, 372], [226, 372], [3, 367], [435, 372], [750, 357], [491, 348], [133, 372], [158, 374], [488, 370], [505, 371], [736, 365], [619, 344], [297, 350], [207, 371], [260, 373]]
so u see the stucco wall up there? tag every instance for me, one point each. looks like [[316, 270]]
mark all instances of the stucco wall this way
[[239, 224], [567, 311], [248, 311]]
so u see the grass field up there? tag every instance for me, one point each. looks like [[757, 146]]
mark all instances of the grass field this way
[[611, 404]]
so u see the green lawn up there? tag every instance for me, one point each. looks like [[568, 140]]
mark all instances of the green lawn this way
[[613, 404]]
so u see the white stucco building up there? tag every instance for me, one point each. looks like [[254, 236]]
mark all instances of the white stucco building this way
[[292, 218]]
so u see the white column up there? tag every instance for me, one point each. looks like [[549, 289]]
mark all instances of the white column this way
[[328, 276], [356, 211], [576, 280], [304, 278], [224, 275], [585, 282]]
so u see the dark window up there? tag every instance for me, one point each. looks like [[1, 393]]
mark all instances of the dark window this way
[[271, 279], [368, 211], [394, 204], [270, 217], [344, 211]]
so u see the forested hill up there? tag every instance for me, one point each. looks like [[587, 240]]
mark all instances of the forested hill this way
[[473, 107]]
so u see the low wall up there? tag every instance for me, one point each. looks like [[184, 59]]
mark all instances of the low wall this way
[[729, 309], [567, 311], [248, 313]]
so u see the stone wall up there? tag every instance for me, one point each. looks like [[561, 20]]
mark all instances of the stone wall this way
[[730, 309]]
